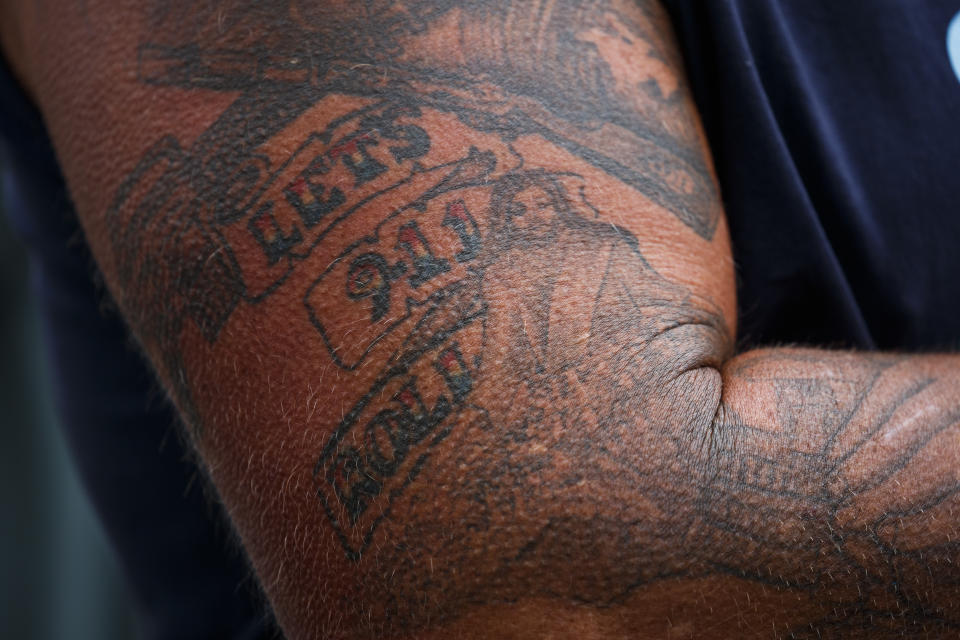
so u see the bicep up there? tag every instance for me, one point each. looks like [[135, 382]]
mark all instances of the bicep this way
[[428, 284]]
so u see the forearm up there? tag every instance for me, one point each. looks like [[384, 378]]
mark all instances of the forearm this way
[[834, 477]]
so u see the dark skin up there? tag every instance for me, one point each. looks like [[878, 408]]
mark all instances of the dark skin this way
[[444, 294]]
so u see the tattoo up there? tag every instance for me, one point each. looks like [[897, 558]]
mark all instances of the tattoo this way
[[837, 476], [225, 196], [439, 315], [514, 358]]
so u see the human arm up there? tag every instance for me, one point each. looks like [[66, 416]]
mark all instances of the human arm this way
[[249, 179]]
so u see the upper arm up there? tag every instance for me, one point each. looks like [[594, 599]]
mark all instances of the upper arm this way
[[431, 285]]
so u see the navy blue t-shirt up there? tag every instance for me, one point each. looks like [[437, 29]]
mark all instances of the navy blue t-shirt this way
[[835, 128]]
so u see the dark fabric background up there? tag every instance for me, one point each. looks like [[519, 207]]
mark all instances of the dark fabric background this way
[[59, 578]]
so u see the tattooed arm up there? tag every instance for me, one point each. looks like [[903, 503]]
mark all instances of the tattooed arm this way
[[834, 478], [444, 295]]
